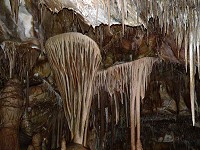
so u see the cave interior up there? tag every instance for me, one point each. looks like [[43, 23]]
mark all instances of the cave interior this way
[[99, 74]]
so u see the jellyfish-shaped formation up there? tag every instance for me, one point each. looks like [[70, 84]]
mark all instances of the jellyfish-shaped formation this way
[[75, 59]]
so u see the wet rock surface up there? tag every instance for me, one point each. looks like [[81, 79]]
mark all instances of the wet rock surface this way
[[165, 132], [73, 146]]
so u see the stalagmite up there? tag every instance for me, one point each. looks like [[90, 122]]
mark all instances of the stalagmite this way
[[11, 102], [19, 59], [74, 58], [118, 78], [37, 141], [63, 144]]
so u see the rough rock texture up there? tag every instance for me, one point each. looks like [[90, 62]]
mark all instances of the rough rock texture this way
[[73, 146], [11, 102]]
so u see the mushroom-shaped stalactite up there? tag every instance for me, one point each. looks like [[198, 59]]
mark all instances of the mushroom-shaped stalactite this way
[[74, 58]]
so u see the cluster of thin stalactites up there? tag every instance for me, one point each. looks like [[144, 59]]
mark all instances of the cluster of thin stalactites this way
[[20, 59], [133, 75], [182, 17]]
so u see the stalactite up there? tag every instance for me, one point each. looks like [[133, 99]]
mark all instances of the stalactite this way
[[198, 54], [74, 58], [21, 58], [123, 17], [126, 111], [108, 5], [26, 123], [9, 49], [52, 90], [192, 78], [180, 16], [118, 78], [186, 50], [97, 8], [15, 9]]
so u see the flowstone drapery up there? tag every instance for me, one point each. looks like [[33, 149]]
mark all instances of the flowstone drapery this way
[[133, 75], [74, 58]]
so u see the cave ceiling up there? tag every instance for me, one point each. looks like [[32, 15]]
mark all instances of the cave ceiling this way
[[38, 20]]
